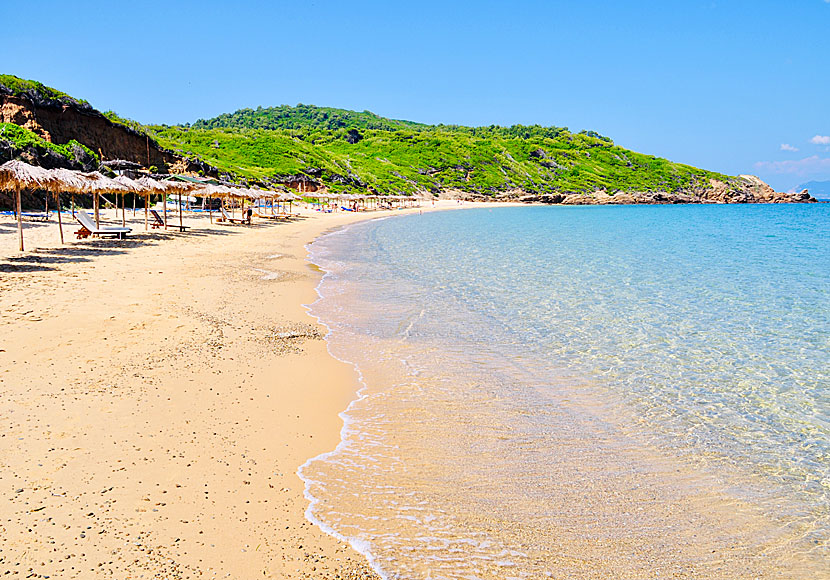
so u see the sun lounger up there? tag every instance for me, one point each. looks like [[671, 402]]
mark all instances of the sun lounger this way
[[227, 218], [159, 223], [267, 216], [90, 229], [33, 215]]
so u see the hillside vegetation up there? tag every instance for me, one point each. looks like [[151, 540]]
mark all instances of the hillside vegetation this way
[[16, 141], [361, 151], [353, 151], [12, 85]]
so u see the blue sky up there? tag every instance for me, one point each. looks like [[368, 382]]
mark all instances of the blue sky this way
[[733, 86]]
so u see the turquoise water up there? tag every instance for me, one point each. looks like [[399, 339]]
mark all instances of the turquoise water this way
[[535, 376]]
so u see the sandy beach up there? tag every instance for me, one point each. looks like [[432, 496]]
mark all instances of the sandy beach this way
[[158, 395]]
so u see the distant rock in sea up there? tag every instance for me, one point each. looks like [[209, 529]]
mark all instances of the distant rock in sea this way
[[818, 189]]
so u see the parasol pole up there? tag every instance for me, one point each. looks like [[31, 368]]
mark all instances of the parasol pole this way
[[147, 212], [19, 209], [60, 222], [165, 209], [181, 212]]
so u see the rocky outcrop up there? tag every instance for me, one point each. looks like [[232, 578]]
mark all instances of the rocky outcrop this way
[[63, 120], [300, 182], [744, 189]]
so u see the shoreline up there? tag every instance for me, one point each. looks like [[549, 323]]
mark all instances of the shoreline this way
[[161, 393], [683, 499]]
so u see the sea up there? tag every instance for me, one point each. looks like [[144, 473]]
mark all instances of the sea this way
[[581, 392]]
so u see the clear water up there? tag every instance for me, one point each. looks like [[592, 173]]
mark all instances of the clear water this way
[[587, 392]]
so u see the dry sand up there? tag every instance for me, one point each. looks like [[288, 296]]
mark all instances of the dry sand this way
[[157, 396]]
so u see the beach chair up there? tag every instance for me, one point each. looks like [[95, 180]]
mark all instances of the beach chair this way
[[227, 218], [41, 216], [266, 216], [159, 223], [88, 228], [281, 215]]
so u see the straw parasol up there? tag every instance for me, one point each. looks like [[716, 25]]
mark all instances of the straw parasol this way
[[96, 184], [134, 187], [210, 190], [157, 186], [181, 187], [65, 180], [17, 176]]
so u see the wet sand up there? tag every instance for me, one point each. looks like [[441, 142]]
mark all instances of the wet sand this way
[[158, 395]]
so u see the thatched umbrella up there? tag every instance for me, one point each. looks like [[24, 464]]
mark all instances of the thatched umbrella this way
[[210, 190], [158, 186], [134, 187], [65, 180], [17, 176], [182, 188], [96, 184]]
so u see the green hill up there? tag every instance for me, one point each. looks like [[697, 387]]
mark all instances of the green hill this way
[[347, 150], [360, 151], [303, 117]]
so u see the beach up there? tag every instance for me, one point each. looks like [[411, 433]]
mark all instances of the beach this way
[[164, 394], [158, 396]]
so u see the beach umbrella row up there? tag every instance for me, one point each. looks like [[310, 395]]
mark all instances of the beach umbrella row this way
[[17, 176]]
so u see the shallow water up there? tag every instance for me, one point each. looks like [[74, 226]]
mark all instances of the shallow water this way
[[590, 392]]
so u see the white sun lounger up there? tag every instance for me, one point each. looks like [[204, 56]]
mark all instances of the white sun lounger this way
[[89, 228], [226, 217]]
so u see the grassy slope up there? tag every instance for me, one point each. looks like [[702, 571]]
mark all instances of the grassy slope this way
[[417, 157], [398, 156], [21, 138]]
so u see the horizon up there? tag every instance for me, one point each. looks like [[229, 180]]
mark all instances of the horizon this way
[[701, 83]]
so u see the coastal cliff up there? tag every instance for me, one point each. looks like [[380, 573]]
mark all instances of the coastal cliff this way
[[58, 119]]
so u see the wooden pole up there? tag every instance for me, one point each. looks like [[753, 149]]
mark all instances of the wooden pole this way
[[147, 212], [165, 209], [60, 222], [96, 204], [181, 212], [19, 209], [123, 209]]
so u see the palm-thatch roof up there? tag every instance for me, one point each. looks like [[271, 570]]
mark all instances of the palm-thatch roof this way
[[210, 190], [130, 184], [67, 180], [95, 182], [120, 164], [16, 175], [153, 185]]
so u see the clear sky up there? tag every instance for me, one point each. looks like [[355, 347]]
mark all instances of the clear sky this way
[[733, 86]]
